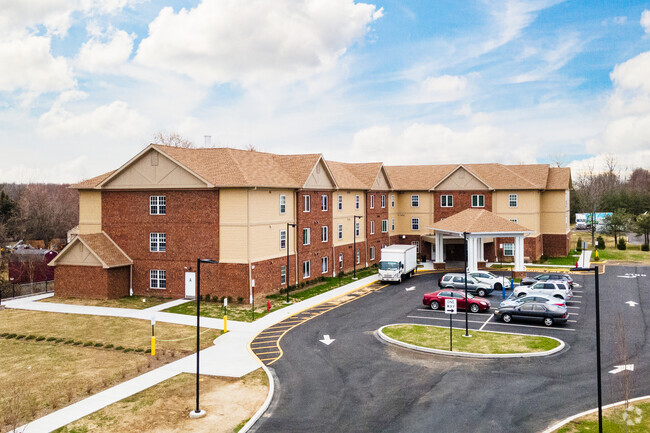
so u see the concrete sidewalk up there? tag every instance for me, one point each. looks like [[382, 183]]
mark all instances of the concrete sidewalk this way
[[229, 356]]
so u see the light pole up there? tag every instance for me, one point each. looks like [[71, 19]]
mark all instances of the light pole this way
[[198, 413], [354, 276], [600, 388], [287, 272]]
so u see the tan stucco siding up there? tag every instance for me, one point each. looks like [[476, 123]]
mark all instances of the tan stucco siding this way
[[232, 244], [265, 242], [405, 213], [345, 216], [78, 255], [555, 212], [90, 212], [527, 211], [265, 206]]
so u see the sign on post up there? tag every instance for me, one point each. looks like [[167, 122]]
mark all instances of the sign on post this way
[[451, 308]]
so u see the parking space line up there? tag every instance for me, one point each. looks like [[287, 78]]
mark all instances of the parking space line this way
[[531, 326], [573, 307], [578, 291], [572, 321], [486, 322], [428, 310], [440, 318], [577, 296]]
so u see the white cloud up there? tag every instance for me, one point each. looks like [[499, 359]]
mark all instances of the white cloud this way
[[633, 74], [445, 88], [438, 144], [29, 65], [113, 120], [553, 59], [645, 21], [257, 41], [95, 56]]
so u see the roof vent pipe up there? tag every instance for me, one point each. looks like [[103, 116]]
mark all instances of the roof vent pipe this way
[[208, 140]]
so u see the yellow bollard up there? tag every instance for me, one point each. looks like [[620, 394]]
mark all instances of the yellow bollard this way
[[225, 323], [153, 336], [153, 346]]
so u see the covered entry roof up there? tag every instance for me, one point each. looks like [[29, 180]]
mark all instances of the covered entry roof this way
[[95, 249], [479, 221]]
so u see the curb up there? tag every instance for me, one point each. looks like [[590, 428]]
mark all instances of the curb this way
[[468, 354], [265, 405], [588, 412]]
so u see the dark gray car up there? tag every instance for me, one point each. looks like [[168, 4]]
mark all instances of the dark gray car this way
[[548, 277], [548, 313], [457, 281]]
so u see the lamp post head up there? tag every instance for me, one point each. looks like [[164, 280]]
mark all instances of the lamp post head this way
[[208, 261]]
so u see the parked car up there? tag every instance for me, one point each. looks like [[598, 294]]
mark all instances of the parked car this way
[[495, 281], [550, 314], [457, 281], [547, 277], [536, 297], [558, 289], [436, 300]]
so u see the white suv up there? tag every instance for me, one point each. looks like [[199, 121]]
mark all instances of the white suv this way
[[557, 289], [493, 280]]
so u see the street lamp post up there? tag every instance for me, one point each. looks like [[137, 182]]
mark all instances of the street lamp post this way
[[354, 276], [198, 413], [287, 272], [600, 388]]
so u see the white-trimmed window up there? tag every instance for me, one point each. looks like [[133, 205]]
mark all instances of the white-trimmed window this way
[[323, 202], [283, 203], [372, 227], [283, 239], [340, 231], [157, 242], [306, 269], [392, 224], [446, 200], [392, 200], [372, 253], [417, 246], [324, 264], [512, 200], [157, 205], [358, 257], [356, 228], [283, 274], [356, 202], [340, 260], [157, 279], [306, 200], [384, 226], [324, 233], [372, 201], [478, 200], [306, 236], [415, 200], [340, 202], [514, 220], [509, 250], [415, 223], [383, 201]]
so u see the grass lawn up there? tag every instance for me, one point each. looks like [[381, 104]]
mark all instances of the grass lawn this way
[[633, 253], [436, 337], [228, 402], [614, 420], [50, 360], [133, 302], [242, 312]]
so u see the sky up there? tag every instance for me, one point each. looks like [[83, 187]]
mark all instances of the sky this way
[[85, 84]]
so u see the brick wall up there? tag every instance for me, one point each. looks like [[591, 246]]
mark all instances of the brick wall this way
[[91, 282], [191, 226], [461, 200], [349, 257], [267, 274], [376, 214], [407, 241], [315, 219], [556, 245], [533, 247]]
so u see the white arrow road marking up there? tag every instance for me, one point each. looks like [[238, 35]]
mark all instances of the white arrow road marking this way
[[408, 289], [327, 340], [632, 303], [619, 368], [631, 275]]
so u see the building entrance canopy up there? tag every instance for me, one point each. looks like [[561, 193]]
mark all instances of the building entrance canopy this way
[[475, 225]]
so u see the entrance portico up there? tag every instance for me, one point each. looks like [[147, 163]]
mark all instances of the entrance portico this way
[[473, 226]]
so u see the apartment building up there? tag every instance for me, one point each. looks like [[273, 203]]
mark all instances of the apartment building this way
[[275, 220]]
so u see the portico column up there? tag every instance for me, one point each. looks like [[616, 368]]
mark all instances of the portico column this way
[[481, 250], [471, 254], [439, 247], [519, 253]]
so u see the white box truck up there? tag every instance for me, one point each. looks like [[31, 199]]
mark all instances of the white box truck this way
[[397, 262]]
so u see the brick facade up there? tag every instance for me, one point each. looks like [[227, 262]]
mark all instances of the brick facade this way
[[314, 219], [91, 282], [268, 277], [461, 200], [533, 247], [376, 214], [191, 227], [556, 245]]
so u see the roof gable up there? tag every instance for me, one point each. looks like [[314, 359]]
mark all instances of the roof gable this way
[[320, 177], [382, 182], [479, 221], [461, 179], [96, 249]]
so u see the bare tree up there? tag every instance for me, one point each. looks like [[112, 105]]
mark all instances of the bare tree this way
[[48, 211], [250, 148], [172, 139]]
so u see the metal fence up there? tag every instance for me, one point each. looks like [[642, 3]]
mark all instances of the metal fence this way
[[10, 291]]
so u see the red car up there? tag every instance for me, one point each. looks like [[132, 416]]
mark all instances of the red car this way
[[436, 300]]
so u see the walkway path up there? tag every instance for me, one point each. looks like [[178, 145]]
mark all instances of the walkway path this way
[[228, 357]]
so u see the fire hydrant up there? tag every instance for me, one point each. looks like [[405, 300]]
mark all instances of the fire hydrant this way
[[268, 306]]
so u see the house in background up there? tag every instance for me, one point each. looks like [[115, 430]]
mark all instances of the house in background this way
[[143, 226]]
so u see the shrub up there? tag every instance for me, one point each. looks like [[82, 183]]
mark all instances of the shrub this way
[[645, 247], [77, 343], [230, 299], [139, 350], [207, 297], [88, 343], [119, 348], [109, 346], [99, 344], [579, 245], [240, 299], [30, 337], [4, 334], [40, 338], [128, 350], [58, 340], [20, 337], [11, 335], [622, 245], [147, 351], [50, 338], [69, 342], [600, 242]]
